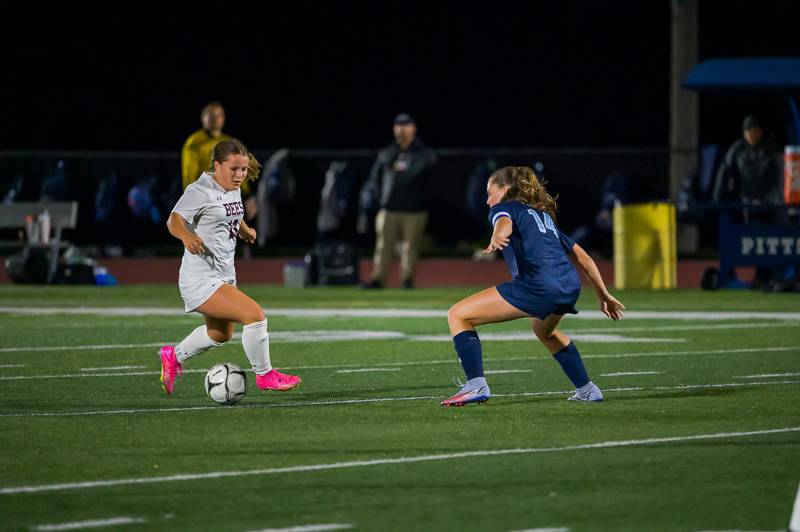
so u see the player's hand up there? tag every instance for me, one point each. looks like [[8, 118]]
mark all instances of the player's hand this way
[[611, 307], [248, 234], [497, 242], [194, 245]]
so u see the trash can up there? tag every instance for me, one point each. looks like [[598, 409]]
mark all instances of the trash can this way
[[295, 274], [645, 254]]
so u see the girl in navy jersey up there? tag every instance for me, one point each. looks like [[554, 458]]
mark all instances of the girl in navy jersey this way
[[208, 219], [545, 284]]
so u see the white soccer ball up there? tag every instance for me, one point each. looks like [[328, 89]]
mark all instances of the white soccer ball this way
[[226, 384]]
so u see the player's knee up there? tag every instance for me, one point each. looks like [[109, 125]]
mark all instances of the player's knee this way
[[454, 314], [253, 315]]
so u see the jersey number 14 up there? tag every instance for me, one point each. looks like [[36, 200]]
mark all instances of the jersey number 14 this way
[[548, 222]]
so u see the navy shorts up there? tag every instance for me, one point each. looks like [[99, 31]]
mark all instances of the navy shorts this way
[[528, 301]]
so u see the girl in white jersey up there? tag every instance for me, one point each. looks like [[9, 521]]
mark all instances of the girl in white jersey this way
[[207, 219]]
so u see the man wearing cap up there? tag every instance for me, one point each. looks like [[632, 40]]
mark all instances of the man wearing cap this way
[[398, 183], [750, 172]]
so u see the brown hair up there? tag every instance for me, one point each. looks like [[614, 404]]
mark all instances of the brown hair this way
[[525, 187], [225, 148]]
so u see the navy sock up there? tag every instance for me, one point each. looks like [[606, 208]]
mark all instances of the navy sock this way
[[468, 348], [571, 363]]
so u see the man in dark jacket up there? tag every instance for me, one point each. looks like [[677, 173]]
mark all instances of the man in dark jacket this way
[[398, 184], [751, 169]]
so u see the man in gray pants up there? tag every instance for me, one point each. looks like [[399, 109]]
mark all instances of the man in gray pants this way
[[399, 179]]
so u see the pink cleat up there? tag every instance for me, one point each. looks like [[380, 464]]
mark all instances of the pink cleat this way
[[274, 380], [170, 368]]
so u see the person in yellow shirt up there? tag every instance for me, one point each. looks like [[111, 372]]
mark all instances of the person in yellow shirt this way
[[196, 154]]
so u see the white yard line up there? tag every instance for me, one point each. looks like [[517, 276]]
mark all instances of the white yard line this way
[[615, 327], [388, 399], [354, 336], [766, 375], [308, 528], [528, 336], [794, 522], [12, 365], [94, 523], [11, 490], [111, 368], [402, 313], [550, 529], [363, 370], [426, 362], [626, 373], [78, 347], [498, 371]]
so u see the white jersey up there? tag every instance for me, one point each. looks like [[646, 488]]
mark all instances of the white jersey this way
[[213, 214]]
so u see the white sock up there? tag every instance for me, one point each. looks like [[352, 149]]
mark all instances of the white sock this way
[[255, 340], [197, 342]]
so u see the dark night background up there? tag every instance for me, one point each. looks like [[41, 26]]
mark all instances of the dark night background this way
[[332, 75], [534, 77]]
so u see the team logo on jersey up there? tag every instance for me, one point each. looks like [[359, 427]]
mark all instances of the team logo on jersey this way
[[233, 209]]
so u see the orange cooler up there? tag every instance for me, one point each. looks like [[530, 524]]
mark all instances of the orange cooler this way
[[791, 175]]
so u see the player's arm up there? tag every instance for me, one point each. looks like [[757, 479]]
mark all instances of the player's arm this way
[[609, 305], [176, 226], [247, 233], [501, 234]]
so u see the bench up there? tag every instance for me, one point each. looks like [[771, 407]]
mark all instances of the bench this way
[[63, 215]]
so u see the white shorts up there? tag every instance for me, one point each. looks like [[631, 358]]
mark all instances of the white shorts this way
[[198, 291]]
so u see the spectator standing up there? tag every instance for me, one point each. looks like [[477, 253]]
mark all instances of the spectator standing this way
[[196, 153], [398, 187]]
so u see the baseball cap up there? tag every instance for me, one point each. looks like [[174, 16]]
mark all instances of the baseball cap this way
[[751, 121], [403, 119]]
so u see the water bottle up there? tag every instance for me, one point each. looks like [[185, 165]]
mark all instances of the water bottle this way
[[44, 227]]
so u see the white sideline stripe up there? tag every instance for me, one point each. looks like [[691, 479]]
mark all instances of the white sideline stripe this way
[[79, 347], [625, 373], [497, 371], [763, 375], [794, 523], [361, 370], [668, 328], [421, 362], [289, 336], [385, 399], [349, 336], [528, 337], [111, 368], [386, 461], [307, 528], [94, 523], [402, 313], [543, 530]]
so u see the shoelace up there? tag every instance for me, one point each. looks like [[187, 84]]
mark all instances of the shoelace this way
[[457, 382]]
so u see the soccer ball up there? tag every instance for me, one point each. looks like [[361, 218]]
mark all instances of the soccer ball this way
[[226, 384]]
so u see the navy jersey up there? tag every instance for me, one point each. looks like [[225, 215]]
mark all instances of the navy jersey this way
[[537, 252]]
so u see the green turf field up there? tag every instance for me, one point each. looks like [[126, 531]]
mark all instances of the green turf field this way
[[700, 429]]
